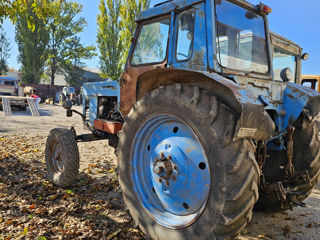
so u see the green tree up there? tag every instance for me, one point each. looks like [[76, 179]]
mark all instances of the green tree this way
[[73, 54], [64, 43], [13, 8], [116, 25], [4, 52], [32, 43], [131, 9], [109, 38]]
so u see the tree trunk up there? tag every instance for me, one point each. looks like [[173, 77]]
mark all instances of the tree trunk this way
[[53, 71]]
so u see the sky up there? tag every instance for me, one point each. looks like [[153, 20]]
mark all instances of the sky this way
[[295, 19]]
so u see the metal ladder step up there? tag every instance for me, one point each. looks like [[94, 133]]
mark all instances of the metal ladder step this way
[[6, 106], [33, 108]]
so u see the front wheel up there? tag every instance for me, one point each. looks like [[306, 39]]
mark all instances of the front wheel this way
[[181, 174], [62, 157]]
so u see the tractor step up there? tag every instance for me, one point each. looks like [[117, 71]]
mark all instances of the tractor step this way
[[103, 125]]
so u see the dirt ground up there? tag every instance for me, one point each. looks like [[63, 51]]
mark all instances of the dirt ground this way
[[92, 208]]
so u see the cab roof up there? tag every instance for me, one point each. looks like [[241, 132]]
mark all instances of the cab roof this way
[[167, 6]]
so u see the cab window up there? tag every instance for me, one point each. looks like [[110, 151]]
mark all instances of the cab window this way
[[151, 46], [283, 59], [9, 83], [185, 36]]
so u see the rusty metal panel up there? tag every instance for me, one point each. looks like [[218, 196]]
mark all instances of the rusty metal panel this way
[[107, 126]]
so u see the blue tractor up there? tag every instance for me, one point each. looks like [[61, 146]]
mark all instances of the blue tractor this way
[[203, 130]]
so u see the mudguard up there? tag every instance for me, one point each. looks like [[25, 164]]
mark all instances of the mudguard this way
[[297, 99], [253, 121]]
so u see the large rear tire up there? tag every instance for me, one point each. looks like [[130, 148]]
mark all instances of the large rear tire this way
[[307, 153], [186, 133], [62, 157]]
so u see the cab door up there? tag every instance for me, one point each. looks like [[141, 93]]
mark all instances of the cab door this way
[[149, 51]]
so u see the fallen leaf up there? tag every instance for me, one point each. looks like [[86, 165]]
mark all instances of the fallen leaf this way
[[114, 234], [310, 225], [9, 222], [53, 197], [33, 206], [25, 231], [41, 238]]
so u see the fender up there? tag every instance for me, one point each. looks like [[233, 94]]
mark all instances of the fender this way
[[297, 99], [252, 120]]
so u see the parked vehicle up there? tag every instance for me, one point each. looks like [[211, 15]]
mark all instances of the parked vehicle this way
[[68, 93], [311, 81], [9, 86], [201, 128]]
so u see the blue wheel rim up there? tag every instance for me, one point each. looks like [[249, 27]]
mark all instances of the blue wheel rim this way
[[170, 171]]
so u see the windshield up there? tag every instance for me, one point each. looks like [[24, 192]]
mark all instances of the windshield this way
[[281, 60], [240, 38]]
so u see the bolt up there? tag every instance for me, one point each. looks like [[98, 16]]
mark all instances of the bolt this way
[[175, 167], [162, 154], [159, 180], [174, 178], [158, 169], [169, 158], [167, 183]]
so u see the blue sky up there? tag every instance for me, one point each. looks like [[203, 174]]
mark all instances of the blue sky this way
[[293, 19]]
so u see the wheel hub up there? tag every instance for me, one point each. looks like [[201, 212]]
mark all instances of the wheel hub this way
[[171, 172], [164, 169], [56, 159]]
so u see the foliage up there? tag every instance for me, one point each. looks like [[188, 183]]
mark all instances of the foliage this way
[[109, 38], [4, 52], [33, 208], [32, 43], [12, 8], [65, 51], [116, 25], [73, 54], [129, 12]]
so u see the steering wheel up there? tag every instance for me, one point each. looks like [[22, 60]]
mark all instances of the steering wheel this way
[[183, 55]]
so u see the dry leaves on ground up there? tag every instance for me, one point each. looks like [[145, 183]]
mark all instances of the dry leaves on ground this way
[[33, 208]]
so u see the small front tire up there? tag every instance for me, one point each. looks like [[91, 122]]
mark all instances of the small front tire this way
[[62, 157]]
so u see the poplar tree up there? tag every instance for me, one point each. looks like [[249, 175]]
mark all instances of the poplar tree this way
[[32, 38], [4, 52], [116, 26], [131, 9], [109, 38]]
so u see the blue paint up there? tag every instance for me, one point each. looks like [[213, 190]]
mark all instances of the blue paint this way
[[198, 58], [166, 9], [183, 199], [91, 92]]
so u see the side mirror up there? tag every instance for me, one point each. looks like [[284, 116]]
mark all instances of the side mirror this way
[[305, 56], [67, 104], [286, 74]]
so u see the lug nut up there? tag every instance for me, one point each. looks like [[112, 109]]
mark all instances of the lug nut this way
[[158, 169]]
